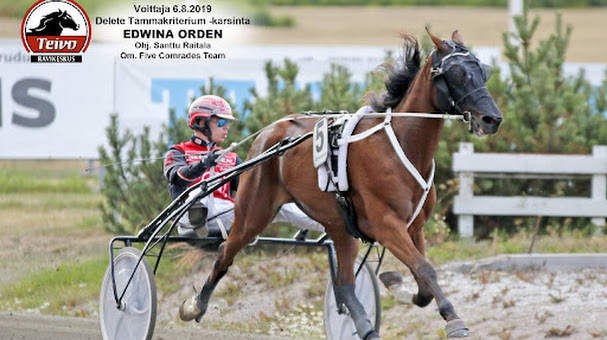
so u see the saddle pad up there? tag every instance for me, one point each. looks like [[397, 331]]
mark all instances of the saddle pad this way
[[326, 178]]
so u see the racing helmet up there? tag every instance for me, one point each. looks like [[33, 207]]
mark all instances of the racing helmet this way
[[208, 106]]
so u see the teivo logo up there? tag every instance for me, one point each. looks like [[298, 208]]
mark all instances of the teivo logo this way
[[56, 31]]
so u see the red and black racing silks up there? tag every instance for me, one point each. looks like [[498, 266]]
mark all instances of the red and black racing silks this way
[[183, 167]]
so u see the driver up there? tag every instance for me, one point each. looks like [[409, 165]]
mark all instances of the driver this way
[[189, 162]]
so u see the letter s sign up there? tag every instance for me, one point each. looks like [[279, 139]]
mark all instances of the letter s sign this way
[[21, 95]]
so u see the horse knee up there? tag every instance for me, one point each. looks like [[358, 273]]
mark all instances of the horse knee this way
[[426, 272], [426, 277]]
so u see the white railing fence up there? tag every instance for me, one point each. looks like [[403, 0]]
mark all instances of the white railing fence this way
[[468, 164]]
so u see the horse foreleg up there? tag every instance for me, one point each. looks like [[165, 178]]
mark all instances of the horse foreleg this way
[[401, 244], [346, 248], [424, 294], [416, 231]]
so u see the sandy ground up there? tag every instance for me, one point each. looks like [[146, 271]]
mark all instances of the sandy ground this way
[[507, 305], [530, 304]]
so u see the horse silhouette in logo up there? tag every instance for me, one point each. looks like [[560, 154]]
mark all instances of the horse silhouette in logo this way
[[53, 24]]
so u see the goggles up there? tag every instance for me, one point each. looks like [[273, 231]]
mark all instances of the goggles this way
[[222, 122]]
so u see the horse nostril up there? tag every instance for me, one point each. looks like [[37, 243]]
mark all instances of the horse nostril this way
[[491, 120]]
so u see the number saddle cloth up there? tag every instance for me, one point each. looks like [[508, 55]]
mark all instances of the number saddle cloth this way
[[332, 174]]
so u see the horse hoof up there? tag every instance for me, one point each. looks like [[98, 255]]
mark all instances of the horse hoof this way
[[189, 310], [390, 279], [457, 329]]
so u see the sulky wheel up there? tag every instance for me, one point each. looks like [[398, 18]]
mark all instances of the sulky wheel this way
[[136, 316], [340, 326]]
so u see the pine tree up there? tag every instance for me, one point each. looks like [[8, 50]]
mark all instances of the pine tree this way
[[283, 98], [133, 169], [544, 112], [338, 92]]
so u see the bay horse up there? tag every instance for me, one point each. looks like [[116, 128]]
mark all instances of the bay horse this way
[[53, 24], [383, 193]]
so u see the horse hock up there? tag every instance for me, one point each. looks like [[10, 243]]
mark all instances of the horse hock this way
[[364, 328]]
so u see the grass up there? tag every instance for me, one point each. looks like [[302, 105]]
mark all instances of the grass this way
[[64, 290], [48, 201], [52, 246], [24, 182]]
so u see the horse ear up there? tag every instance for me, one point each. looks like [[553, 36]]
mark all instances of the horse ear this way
[[440, 45], [457, 37]]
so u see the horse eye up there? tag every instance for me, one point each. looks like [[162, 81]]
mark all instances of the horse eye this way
[[459, 76]]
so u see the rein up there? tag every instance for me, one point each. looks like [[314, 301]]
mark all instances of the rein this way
[[464, 117]]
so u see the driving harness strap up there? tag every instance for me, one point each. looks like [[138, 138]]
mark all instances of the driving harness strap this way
[[386, 125]]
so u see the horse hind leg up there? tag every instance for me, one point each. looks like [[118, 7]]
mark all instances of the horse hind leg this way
[[239, 237], [345, 294], [249, 221], [196, 306]]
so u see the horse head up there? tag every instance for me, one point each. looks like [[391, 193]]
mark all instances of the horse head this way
[[460, 82], [66, 20], [53, 24]]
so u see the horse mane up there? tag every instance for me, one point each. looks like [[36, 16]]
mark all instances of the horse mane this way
[[399, 76], [44, 19]]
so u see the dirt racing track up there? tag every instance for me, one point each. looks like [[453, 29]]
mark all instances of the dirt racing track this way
[[30, 327]]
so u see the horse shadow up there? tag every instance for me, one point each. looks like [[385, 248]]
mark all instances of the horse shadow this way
[[53, 24]]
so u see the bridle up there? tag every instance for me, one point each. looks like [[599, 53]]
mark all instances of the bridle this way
[[445, 99]]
